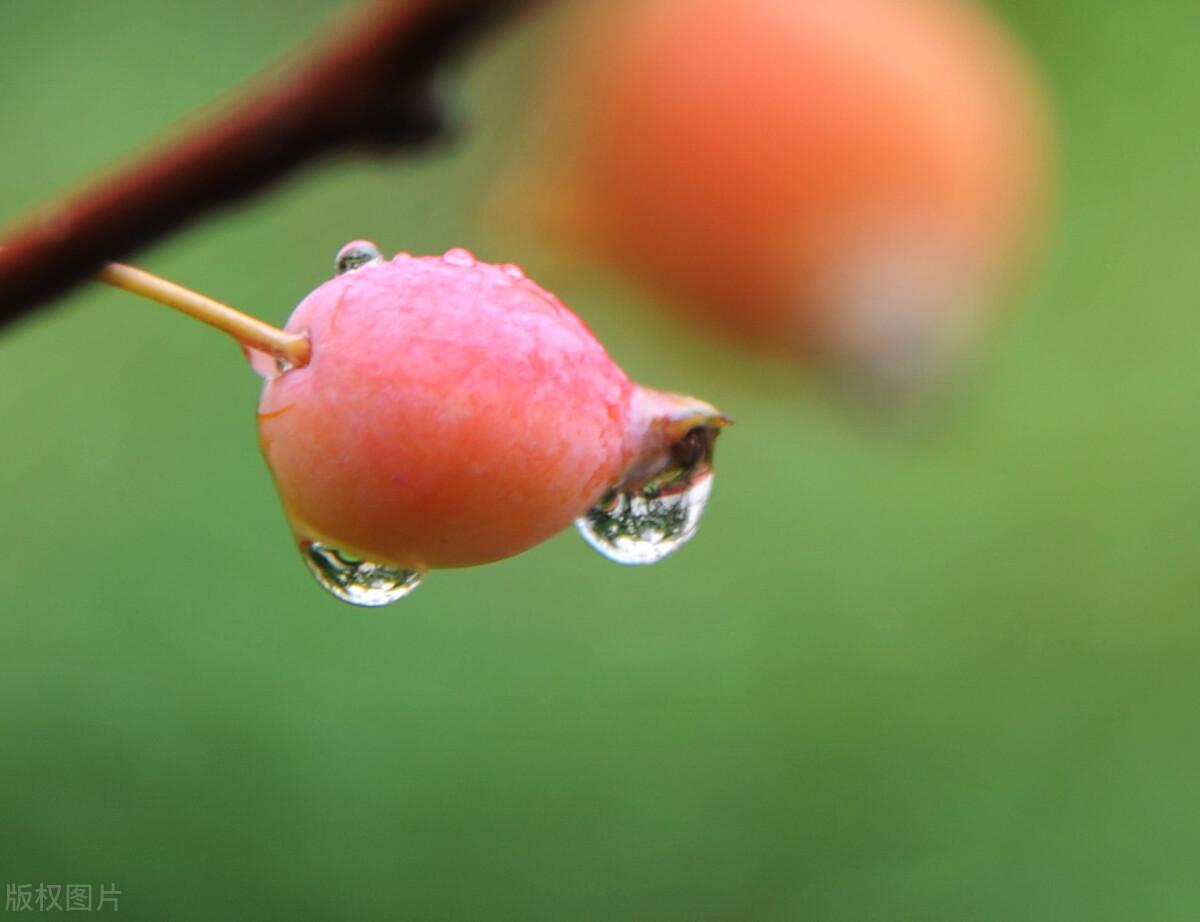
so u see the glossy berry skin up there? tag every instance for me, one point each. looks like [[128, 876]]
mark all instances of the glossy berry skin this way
[[452, 413], [806, 176]]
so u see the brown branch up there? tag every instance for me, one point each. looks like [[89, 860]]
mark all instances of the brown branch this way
[[370, 89]]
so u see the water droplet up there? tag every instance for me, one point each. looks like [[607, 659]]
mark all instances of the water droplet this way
[[513, 270], [356, 581], [356, 254], [642, 524], [459, 257]]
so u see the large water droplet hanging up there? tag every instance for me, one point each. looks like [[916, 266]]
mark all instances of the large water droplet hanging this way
[[356, 254], [359, 582], [642, 524]]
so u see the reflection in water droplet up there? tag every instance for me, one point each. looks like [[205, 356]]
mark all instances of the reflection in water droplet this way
[[513, 270], [643, 524], [459, 257], [355, 255], [358, 582]]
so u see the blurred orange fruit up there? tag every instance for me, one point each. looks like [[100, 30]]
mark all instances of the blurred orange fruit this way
[[848, 180]]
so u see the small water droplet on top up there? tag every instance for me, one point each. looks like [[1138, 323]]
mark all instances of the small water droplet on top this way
[[359, 582], [513, 270], [356, 254], [459, 257], [643, 524]]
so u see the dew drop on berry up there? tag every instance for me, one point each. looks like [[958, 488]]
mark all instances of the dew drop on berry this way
[[464, 259], [512, 270], [356, 254], [643, 524], [359, 582]]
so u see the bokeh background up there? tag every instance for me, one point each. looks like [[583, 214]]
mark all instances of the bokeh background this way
[[950, 675]]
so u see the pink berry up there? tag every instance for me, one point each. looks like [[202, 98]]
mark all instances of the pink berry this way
[[455, 413]]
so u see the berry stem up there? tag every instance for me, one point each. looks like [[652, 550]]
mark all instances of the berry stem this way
[[247, 330]]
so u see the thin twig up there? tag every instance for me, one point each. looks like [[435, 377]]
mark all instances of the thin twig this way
[[249, 331], [370, 89]]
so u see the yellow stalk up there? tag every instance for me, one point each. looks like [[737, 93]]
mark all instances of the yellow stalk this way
[[249, 331]]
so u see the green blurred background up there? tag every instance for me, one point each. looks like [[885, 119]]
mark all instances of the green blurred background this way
[[941, 677]]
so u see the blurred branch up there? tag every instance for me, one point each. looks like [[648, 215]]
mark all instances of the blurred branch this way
[[371, 89]]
